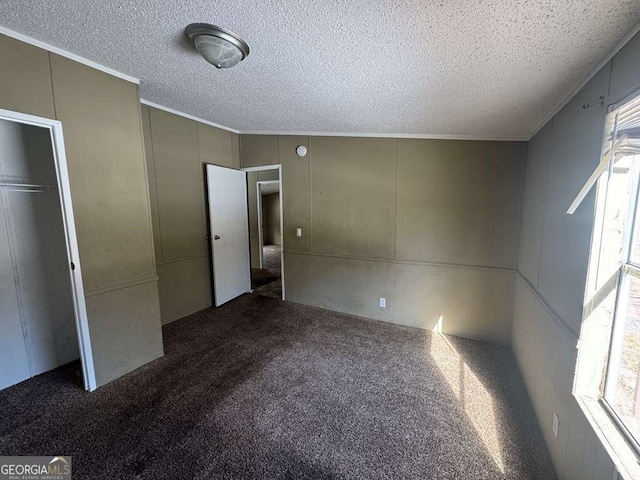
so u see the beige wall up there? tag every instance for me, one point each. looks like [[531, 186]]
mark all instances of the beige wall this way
[[401, 219], [101, 122], [553, 260], [177, 150]]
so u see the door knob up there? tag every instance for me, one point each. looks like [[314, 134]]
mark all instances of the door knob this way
[[216, 237]]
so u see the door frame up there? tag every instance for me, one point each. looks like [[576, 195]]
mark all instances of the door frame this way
[[259, 186], [71, 240], [279, 168]]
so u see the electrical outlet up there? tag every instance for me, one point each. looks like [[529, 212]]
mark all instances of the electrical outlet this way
[[383, 302], [298, 232], [555, 425]]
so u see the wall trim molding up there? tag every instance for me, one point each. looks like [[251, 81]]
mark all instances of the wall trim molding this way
[[149, 103], [121, 286], [278, 133], [403, 262], [497, 138], [585, 79], [261, 168], [423, 136], [564, 326], [64, 53], [183, 259]]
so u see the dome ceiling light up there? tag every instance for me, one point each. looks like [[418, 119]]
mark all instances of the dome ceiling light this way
[[218, 46]]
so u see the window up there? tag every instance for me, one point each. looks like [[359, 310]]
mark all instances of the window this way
[[619, 259]]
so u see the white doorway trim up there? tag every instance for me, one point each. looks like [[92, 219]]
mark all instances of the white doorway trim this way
[[260, 225], [279, 168], [64, 187]]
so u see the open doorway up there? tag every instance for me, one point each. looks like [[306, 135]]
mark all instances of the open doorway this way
[[265, 231], [267, 279], [43, 316]]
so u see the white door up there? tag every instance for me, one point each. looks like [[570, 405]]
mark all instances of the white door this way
[[229, 223]]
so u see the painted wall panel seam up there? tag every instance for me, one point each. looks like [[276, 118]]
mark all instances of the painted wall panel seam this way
[[183, 259], [201, 178], [155, 185], [557, 319], [402, 262], [309, 152], [395, 204], [544, 210], [521, 208], [71, 56], [120, 286], [53, 96], [147, 188], [592, 73]]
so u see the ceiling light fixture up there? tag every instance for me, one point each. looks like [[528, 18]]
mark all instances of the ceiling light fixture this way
[[218, 46]]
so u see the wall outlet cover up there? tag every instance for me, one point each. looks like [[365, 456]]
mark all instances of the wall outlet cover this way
[[298, 232], [383, 302], [555, 425]]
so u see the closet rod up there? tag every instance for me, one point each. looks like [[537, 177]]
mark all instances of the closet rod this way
[[28, 187]]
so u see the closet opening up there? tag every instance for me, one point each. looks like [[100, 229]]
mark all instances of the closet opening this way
[[43, 316]]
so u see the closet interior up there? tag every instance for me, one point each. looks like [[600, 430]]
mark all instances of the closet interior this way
[[36, 302]]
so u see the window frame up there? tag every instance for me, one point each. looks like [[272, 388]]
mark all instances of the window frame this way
[[627, 270]]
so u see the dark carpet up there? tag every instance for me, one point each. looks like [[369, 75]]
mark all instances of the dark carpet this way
[[267, 281], [265, 389]]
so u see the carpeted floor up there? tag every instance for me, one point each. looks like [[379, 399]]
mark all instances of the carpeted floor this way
[[265, 389], [268, 281]]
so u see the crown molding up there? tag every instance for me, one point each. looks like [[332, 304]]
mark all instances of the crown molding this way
[[495, 138], [59, 51], [427, 136], [567, 98], [186, 115], [69, 55]]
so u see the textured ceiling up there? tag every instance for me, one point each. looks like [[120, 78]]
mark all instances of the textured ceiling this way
[[476, 68]]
